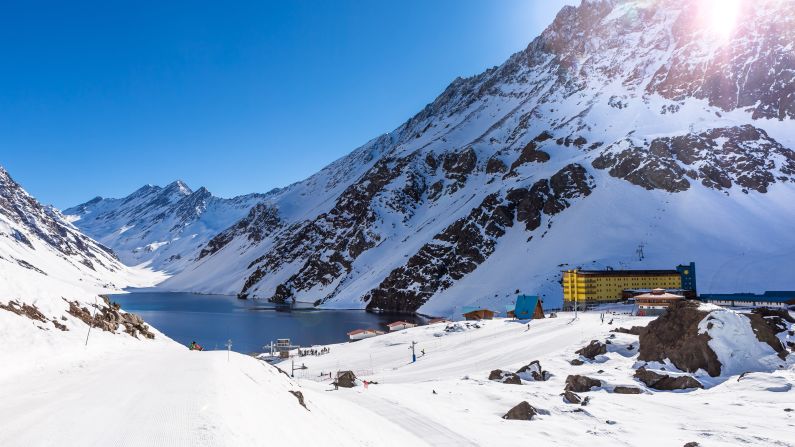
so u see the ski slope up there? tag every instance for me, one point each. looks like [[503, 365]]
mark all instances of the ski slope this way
[[456, 366]]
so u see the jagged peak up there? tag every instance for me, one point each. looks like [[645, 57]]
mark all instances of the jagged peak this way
[[180, 187]]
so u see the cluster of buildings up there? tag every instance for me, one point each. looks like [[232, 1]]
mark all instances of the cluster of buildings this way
[[526, 307], [653, 291]]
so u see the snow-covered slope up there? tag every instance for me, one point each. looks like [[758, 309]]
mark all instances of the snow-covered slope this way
[[446, 397], [42, 255], [626, 123], [50, 276], [163, 228]]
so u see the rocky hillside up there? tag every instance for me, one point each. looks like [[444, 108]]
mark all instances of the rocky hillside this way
[[628, 134], [42, 254], [164, 228]]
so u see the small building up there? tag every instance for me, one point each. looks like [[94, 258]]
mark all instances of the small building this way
[[656, 302], [345, 379], [400, 325], [478, 314], [527, 307], [439, 321], [361, 334], [779, 299], [630, 294]]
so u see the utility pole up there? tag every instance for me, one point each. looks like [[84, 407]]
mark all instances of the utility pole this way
[[228, 349], [413, 353], [93, 317]]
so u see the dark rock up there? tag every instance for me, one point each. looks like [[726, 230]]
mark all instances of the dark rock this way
[[576, 362], [675, 336], [720, 158], [634, 330], [766, 328], [530, 154], [692, 444], [522, 412], [664, 382], [534, 371], [300, 396], [495, 165], [769, 312], [627, 390], [508, 377], [108, 318], [581, 384], [465, 244], [24, 309], [593, 349], [571, 398]]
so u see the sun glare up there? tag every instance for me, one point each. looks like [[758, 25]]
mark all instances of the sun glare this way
[[720, 17]]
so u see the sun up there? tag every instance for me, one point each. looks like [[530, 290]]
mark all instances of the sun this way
[[720, 17]]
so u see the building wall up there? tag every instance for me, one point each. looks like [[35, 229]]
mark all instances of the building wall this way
[[609, 287]]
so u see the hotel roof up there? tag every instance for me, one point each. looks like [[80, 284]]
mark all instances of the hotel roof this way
[[628, 272]]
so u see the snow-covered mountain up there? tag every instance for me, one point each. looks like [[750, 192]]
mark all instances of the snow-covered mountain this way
[[625, 124], [163, 228], [42, 255]]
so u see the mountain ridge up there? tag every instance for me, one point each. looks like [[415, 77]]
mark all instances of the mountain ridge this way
[[653, 111]]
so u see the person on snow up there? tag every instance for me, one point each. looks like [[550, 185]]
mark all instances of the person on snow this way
[[195, 346]]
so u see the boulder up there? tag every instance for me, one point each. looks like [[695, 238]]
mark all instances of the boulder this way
[[634, 330], [664, 382], [627, 390], [533, 371], [770, 312], [676, 336], [576, 362], [697, 336], [593, 349], [581, 384], [692, 444], [508, 377], [522, 412], [571, 398]]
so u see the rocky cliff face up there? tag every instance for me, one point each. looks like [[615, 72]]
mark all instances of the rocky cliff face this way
[[44, 257], [625, 124], [164, 227], [28, 224]]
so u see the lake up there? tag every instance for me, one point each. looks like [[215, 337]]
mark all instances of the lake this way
[[213, 319]]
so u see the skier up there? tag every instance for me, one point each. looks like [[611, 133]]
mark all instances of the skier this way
[[602, 316], [423, 352], [195, 346]]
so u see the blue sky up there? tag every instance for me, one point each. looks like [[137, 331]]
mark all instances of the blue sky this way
[[99, 98]]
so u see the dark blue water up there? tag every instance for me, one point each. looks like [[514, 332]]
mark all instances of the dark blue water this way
[[213, 319]]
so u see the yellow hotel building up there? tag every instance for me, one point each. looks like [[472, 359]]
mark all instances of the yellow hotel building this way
[[595, 286]]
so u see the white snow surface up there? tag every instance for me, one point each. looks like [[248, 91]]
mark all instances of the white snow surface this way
[[466, 408], [120, 391]]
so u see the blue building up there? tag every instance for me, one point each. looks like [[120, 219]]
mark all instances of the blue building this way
[[527, 307], [688, 274], [780, 299]]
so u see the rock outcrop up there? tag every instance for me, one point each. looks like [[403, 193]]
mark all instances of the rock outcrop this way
[[533, 371], [676, 336], [108, 317], [508, 377], [665, 382], [581, 384], [522, 412], [696, 336], [593, 349]]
